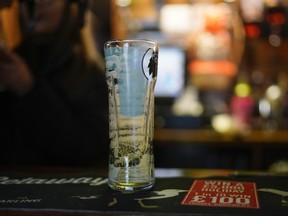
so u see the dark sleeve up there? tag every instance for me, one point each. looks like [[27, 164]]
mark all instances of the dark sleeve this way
[[63, 124]]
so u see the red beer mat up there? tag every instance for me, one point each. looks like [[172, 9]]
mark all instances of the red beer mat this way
[[219, 193]]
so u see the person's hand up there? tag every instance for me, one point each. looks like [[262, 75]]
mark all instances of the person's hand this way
[[15, 73]]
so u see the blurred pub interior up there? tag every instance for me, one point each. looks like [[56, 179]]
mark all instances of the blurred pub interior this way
[[221, 98], [221, 93]]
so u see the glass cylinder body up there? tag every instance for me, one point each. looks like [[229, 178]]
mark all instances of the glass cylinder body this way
[[131, 73]]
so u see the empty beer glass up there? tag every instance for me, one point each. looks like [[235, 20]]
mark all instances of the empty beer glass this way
[[131, 72]]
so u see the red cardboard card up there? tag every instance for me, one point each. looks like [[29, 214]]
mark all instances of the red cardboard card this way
[[219, 193]]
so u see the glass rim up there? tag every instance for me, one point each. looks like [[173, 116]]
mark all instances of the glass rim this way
[[130, 41]]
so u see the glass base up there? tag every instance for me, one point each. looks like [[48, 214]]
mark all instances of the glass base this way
[[130, 187]]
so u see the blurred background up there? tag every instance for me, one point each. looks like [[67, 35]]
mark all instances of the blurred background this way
[[221, 96], [221, 93]]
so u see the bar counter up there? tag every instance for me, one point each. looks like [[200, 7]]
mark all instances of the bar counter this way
[[258, 145], [84, 191]]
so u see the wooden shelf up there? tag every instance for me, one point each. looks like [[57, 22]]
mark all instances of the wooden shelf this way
[[189, 136]]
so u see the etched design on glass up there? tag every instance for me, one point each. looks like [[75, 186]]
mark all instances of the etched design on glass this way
[[150, 59], [129, 138]]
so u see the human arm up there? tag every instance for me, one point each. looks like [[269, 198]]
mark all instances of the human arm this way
[[15, 73]]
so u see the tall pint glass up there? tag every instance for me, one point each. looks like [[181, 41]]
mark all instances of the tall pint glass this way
[[131, 72]]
